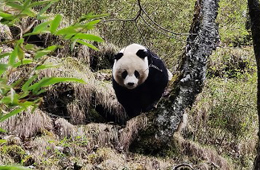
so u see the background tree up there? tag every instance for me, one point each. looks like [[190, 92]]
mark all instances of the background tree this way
[[187, 83], [254, 12]]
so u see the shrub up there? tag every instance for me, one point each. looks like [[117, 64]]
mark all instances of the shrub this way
[[20, 87]]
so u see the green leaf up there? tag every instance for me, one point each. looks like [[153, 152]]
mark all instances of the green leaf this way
[[28, 82], [26, 3], [22, 8], [91, 16], [15, 5], [55, 23], [23, 62], [88, 37], [29, 46], [12, 100], [45, 8], [3, 68], [91, 24], [34, 4], [67, 30], [47, 81], [87, 44], [12, 57], [15, 52], [4, 55], [20, 52], [41, 67], [41, 28], [2, 130], [2, 140], [6, 16], [12, 113], [13, 168], [45, 51]]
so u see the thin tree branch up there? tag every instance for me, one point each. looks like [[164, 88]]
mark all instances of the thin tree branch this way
[[183, 165], [160, 29]]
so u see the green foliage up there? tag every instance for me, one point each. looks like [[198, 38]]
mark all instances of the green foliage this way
[[13, 168], [225, 117], [233, 18], [235, 111], [226, 110], [18, 94], [231, 62], [175, 16]]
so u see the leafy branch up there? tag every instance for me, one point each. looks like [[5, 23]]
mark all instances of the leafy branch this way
[[23, 92]]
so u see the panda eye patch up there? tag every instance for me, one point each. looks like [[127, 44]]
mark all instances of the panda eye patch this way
[[137, 75], [124, 74]]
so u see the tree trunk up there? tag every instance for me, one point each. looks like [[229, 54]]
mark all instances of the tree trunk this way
[[187, 83], [254, 12]]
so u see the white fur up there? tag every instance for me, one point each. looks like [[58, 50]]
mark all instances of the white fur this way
[[131, 63], [130, 79], [169, 75]]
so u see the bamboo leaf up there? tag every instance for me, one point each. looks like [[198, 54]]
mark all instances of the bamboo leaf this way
[[41, 28], [41, 67], [4, 55], [28, 82], [8, 167], [91, 16], [15, 5], [12, 113], [15, 52], [6, 16], [87, 44], [3, 68], [23, 62], [45, 8], [91, 24], [34, 4], [12, 57], [67, 30], [20, 52], [55, 23], [45, 51], [47, 81], [2, 140], [88, 37], [3, 131]]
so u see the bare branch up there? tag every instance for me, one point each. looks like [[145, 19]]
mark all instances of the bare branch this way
[[160, 29], [183, 165]]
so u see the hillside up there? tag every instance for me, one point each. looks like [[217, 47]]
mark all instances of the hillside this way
[[72, 129]]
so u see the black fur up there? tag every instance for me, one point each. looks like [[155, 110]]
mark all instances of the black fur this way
[[146, 95], [118, 56], [142, 53]]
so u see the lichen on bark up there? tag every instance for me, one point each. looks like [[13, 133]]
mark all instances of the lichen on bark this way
[[191, 73]]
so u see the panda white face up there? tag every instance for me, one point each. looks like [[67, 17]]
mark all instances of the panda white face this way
[[131, 66]]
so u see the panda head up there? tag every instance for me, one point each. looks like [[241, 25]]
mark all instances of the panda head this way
[[131, 66]]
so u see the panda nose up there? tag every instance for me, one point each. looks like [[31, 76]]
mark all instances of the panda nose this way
[[130, 84]]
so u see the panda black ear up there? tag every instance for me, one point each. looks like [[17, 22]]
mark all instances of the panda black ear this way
[[118, 56], [142, 53]]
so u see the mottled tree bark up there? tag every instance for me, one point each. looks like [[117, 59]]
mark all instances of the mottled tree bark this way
[[254, 12], [187, 83]]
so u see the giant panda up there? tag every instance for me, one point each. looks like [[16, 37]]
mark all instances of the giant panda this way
[[139, 79]]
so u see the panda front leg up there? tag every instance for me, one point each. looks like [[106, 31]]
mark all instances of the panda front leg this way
[[133, 111]]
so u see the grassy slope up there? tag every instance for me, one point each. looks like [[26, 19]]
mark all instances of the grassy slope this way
[[222, 123]]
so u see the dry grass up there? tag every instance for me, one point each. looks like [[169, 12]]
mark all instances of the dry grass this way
[[203, 155], [86, 96], [28, 124]]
